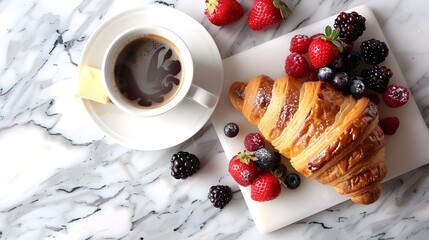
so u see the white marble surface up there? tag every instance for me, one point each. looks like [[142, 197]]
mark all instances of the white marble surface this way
[[61, 178]]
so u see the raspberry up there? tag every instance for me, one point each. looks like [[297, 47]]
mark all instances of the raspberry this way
[[396, 95], [377, 78], [351, 25], [297, 66], [299, 43], [220, 195], [389, 125], [374, 51], [254, 141], [184, 164]]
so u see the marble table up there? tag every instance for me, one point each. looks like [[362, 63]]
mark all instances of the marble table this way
[[61, 178]]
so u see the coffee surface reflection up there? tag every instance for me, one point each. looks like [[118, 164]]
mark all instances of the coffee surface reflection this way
[[148, 71]]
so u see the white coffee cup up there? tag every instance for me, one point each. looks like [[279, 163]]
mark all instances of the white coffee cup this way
[[140, 72]]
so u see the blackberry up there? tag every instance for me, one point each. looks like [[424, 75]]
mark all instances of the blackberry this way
[[377, 78], [220, 195], [351, 25], [374, 51], [184, 164]]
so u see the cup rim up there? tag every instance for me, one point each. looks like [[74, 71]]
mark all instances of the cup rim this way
[[186, 60]]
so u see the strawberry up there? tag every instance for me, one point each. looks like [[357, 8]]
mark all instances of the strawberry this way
[[242, 168], [267, 13], [324, 49], [223, 12], [265, 187]]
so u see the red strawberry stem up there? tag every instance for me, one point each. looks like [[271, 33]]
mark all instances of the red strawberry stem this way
[[284, 9], [332, 36]]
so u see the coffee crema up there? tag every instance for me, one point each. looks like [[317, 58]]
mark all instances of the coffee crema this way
[[148, 71]]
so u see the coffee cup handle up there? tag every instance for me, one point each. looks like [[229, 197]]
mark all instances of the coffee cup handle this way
[[202, 96]]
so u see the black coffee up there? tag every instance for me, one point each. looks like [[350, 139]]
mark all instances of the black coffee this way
[[148, 71]]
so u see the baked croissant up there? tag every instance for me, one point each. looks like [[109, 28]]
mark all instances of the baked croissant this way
[[327, 136]]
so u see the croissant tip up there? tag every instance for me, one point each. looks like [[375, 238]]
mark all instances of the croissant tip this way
[[236, 94], [369, 196]]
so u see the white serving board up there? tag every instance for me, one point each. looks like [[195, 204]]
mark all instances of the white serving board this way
[[406, 150]]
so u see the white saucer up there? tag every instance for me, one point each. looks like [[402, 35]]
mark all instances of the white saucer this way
[[177, 125]]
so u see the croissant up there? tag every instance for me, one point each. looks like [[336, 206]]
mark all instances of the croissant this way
[[327, 136]]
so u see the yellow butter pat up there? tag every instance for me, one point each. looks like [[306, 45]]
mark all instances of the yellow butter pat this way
[[91, 86]]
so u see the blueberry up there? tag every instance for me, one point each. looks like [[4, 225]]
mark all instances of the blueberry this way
[[357, 88], [325, 74], [231, 130], [340, 80], [266, 159], [292, 181]]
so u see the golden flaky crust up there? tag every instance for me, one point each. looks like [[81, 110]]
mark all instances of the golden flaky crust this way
[[327, 136]]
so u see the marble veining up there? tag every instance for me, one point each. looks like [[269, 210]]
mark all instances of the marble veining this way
[[61, 178]]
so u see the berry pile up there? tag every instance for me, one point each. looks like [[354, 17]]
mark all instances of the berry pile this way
[[260, 168], [331, 57]]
